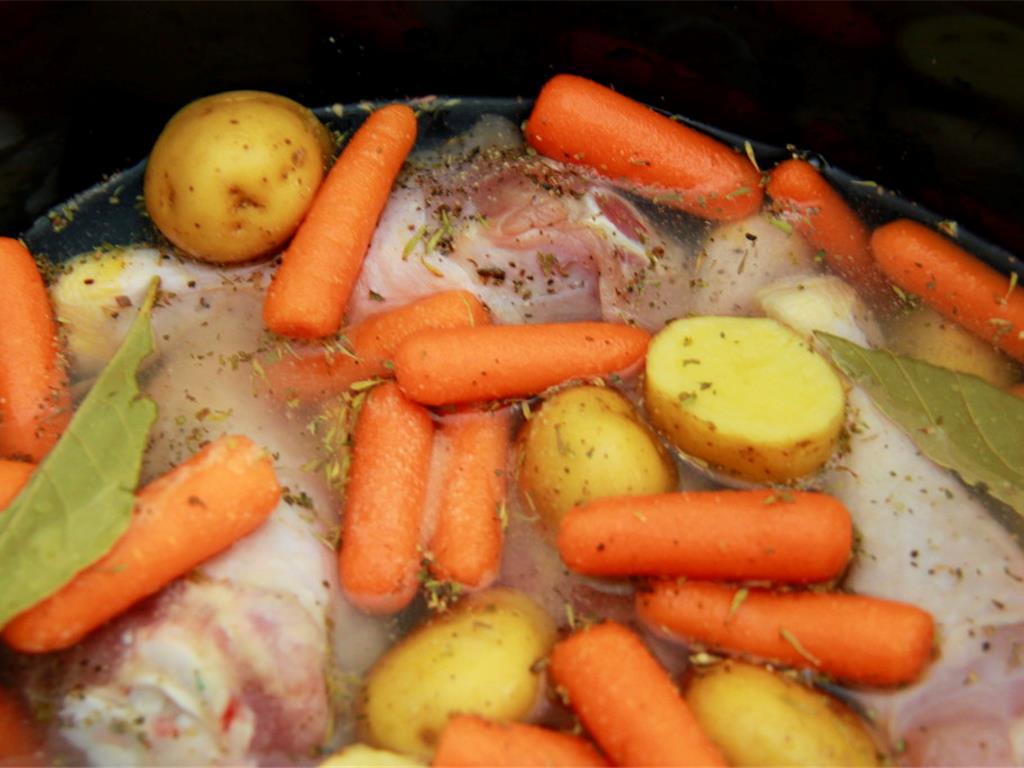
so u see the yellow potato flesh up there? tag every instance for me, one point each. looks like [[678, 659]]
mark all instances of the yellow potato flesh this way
[[758, 718], [587, 443], [231, 176], [477, 659], [744, 394], [362, 756]]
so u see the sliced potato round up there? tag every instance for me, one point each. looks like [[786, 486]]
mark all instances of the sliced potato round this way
[[746, 395], [231, 176], [923, 333], [587, 443], [479, 658], [759, 718]]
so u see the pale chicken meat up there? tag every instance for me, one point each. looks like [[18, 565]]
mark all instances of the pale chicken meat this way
[[237, 663], [536, 242], [923, 538]]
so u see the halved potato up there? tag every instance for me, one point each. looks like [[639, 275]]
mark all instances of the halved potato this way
[[744, 394]]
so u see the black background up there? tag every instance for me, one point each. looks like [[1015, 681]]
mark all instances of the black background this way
[[937, 115]]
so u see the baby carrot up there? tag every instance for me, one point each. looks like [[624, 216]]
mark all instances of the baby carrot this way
[[379, 336], [468, 741], [489, 362], [310, 291], [17, 738], [851, 637], [383, 518], [827, 222], [374, 342], [956, 284], [467, 539], [318, 376], [35, 402], [13, 476], [575, 120], [627, 701], [192, 513], [732, 535]]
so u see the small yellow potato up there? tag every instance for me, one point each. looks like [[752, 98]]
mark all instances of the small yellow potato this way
[[757, 717], [587, 443], [924, 334], [362, 756], [231, 176], [744, 394], [479, 658]]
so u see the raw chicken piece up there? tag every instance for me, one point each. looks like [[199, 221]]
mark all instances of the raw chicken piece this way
[[970, 710], [97, 295], [739, 258], [233, 664], [536, 242], [926, 540], [204, 683]]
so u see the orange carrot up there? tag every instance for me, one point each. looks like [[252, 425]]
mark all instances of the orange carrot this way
[[731, 535], [13, 476], [851, 637], [488, 362], [384, 503], [35, 402], [192, 513], [374, 342], [956, 284], [468, 741], [467, 540], [318, 376], [310, 291], [627, 701], [827, 222], [1018, 390], [18, 740], [578, 121]]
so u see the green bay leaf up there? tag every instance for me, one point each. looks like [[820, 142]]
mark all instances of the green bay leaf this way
[[957, 420], [79, 500]]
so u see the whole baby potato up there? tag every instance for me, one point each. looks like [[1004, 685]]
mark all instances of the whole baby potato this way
[[232, 175], [479, 658], [759, 718], [925, 334], [587, 443]]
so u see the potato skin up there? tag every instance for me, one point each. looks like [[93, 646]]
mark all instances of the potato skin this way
[[231, 175], [745, 394], [757, 717], [925, 334], [362, 756], [479, 658], [586, 443]]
